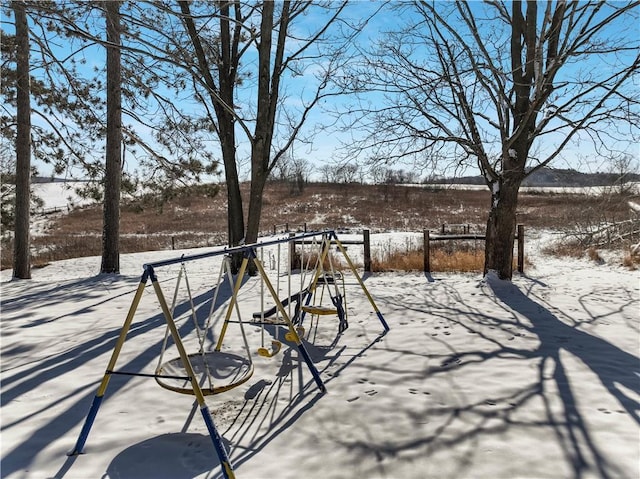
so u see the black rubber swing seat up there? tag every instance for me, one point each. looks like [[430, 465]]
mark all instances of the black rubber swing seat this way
[[330, 278], [216, 372]]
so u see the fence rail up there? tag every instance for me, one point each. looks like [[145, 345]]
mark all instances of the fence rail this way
[[48, 211], [428, 238], [366, 243]]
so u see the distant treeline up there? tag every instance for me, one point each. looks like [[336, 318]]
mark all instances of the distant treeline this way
[[555, 177]]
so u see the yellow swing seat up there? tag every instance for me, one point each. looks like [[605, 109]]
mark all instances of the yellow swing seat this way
[[290, 337], [269, 353], [319, 310]]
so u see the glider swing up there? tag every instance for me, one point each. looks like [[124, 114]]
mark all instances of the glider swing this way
[[217, 371]]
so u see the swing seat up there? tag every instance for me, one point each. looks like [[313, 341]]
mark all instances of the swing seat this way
[[216, 372], [269, 353], [330, 278], [289, 336], [319, 310], [266, 317]]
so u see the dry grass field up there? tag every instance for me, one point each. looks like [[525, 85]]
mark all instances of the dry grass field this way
[[193, 220]]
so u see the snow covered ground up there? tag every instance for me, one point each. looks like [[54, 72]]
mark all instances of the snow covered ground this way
[[477, 378], [58, 198], [59, 194]]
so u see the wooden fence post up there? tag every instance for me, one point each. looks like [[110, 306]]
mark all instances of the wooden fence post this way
[[427, 258], [367, 250], [521, 248]]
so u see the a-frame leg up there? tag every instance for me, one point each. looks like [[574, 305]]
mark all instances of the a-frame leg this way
[[362, 285], [227, 468]]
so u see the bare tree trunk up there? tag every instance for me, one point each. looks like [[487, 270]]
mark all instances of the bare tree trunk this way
[[21, 257], [501, 227], [269, 75], [227, 125], [233, 44], [258, 181], [222, 100], [261, 146], [235, 215], [113, 160]]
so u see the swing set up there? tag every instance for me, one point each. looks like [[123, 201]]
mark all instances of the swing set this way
[[210, 371], [306, 299]]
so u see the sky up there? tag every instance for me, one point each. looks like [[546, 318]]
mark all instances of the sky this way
[[325, 147]]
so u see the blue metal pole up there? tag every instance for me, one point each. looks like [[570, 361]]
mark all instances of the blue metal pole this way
[[305, 355], [360, 282], [312, 367], [82, 438], [236, 249], [227, 469]]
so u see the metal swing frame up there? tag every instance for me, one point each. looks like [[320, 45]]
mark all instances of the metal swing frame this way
[[249, 252]]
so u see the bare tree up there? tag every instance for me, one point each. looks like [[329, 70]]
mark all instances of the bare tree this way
[[300, 170], [253, 44], [624, 168], [347, 173], [509, 86], [293, 171], [217, 72], [327, 173], [21, 253]]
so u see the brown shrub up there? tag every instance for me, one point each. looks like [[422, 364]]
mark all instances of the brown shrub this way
[[631, 262], [593, 255], [443, 259], [309, 260], [571, 249], [399, 261]]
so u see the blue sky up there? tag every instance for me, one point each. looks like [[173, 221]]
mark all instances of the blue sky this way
[[326, 146], [580, 154]]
